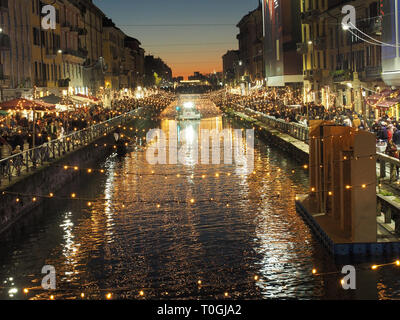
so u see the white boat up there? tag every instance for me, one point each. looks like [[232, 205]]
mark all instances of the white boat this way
[[188, 112], [189, 115]]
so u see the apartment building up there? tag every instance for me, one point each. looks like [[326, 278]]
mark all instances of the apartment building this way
[[339, 68]]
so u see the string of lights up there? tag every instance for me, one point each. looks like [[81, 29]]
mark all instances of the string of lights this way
[[90, 201], [216, 174], [378, 43], [85, 292]]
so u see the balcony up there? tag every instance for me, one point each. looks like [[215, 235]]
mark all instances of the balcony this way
[[3, 5], [302, 48], [40, 83], [320, 43], [5, 43], [82, 31], [66, 26], [309, 16], [313, 75], [372, 73], [81, 53], [342, 76], [63, 83], [375, 27], [51, 53], [2, 75]]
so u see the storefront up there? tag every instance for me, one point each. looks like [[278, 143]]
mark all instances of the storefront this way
[[385, 103]]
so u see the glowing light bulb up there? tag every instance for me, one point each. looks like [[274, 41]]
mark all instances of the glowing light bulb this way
[[374, 267], [109, 296], [314, 271], [73, 195], [141, 293], [26, 290]]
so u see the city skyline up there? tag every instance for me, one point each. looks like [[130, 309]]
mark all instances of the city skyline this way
[[209, 30]]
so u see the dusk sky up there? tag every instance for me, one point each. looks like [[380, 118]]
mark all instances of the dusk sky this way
[[188, 35]]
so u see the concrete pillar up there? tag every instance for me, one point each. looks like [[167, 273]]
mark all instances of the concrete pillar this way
[[388, 215], [382, 166], [378, 209], [393, 176]]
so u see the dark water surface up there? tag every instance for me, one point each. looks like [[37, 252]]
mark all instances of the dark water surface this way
[[248, 242]]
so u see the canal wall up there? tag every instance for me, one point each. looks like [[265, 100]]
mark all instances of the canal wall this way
[[50, 178]]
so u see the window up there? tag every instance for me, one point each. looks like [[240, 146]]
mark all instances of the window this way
[[36, 37]]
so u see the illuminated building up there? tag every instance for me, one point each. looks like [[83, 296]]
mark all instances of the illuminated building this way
[[282, 31], [250, 40], [339, 68], [113, 49]]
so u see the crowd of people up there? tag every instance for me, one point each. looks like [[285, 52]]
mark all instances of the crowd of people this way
[[287, 104], [17, 131]]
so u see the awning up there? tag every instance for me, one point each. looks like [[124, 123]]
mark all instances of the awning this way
[[385, 99]]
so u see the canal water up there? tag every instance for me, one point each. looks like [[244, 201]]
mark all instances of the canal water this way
[[173, 231]]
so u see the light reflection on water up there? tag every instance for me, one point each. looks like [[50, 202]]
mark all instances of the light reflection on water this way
[[250, 229]]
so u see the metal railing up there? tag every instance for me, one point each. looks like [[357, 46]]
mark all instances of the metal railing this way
[[388, 167], [29, 160], [295, 130]]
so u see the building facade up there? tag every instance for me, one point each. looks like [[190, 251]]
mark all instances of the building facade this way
[[250, 37], [282, 32], [74, 52], [339, 68], [92, 40], [137, 52], [230, 62]]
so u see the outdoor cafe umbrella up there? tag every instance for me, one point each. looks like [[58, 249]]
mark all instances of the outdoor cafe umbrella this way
[[25, 104]]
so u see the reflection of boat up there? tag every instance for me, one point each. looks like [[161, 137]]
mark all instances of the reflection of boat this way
[[189, 115]]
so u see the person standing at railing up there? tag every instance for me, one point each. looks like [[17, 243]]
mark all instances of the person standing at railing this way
[[5, 148], [396, 137]]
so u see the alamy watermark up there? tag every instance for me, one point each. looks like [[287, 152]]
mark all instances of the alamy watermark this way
[[183, 147], [49, 20]]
